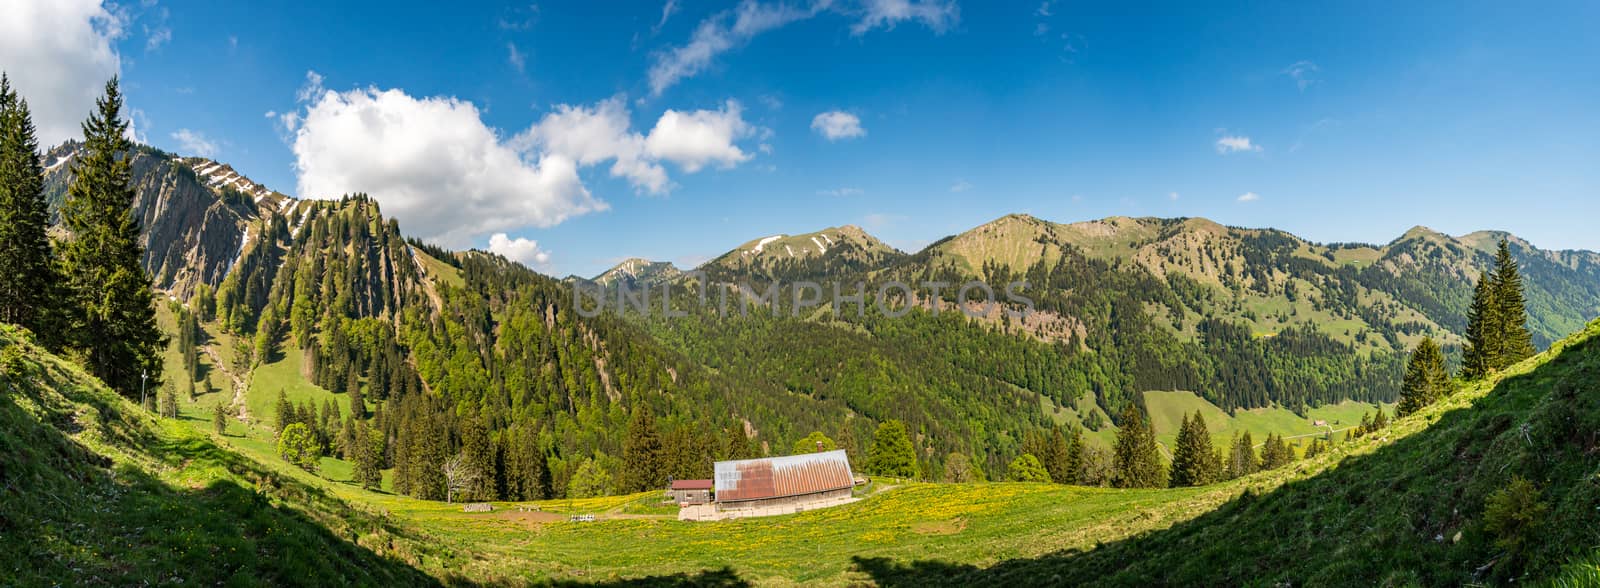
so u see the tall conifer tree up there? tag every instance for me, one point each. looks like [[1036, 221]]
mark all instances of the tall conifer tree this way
[[1478, 358], [29, 283], [1242, 458], [1426, 380], [1194, 462], [641, 454], [1137, 459], [1511, 311], [113, 320]]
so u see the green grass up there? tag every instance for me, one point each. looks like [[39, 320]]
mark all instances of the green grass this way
[[1404, 506], [96, 491], [1381, 510], [285, 374]]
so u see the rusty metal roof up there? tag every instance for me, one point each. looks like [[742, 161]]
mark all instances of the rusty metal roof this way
[[691, 485], [777, 477]]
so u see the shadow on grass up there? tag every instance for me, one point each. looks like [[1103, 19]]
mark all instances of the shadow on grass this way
[[1409, 513], [70, 514], [724, 577]]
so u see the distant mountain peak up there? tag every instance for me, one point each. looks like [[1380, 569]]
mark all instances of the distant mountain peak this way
[[636, 271]]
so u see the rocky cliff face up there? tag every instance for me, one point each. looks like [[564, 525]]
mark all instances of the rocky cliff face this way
[[195, 224]]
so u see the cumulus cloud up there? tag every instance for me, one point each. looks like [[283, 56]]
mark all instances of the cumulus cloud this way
[[448, 177], [431, 162], [591, 135], [520, 250], [836, 125], [59, 54], [696, 139], [1249, 197], [195, 143], [938, 15], [841, 192], [1232, 144], [733, 28]]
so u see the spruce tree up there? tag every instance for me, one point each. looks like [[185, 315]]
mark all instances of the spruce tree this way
[[1075, 457], [847, 441], [1426, 380], [113, 320], [29, 284], [477, 459], [1193, 458], [1060, 463], [892, 453], [219, 419], [738, 445], [1478, 358], [358, 404], [1242, 458], [1275, 453], [641, 454], [1510, 310], [1136, 457]]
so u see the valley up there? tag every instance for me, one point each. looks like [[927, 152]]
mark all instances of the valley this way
[[772, 293]]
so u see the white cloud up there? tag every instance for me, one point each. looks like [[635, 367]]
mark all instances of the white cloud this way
[[431, 162], [59, 54], [516, 58], [520, 250], [156, 38], [591, 135], [938, 15], [1044, 8], [730, 29], [1172, 195], [696, 139], [1304, 74], [195, 143], [138, 126], [720, 33], [1233, 144], [311, 89], [841, 192], [836, 125], [667, 10], [1249, 197], [961, 186]]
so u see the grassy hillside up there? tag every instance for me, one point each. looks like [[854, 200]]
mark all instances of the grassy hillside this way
[[1407, 507], [116, 496], [96, 491]]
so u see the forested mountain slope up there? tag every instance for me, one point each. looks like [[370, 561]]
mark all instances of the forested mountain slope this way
[[1495, 484], [434, 344]]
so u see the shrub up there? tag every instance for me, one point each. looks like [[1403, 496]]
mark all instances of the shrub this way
[[297, 445], [1512, 513]]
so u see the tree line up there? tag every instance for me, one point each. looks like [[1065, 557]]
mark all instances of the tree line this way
[[87, 294], [1496, 338]]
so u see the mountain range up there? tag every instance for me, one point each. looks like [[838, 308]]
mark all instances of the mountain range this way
[[1244, 318]]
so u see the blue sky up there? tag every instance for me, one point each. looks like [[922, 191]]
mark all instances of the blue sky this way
[[584, 133]]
